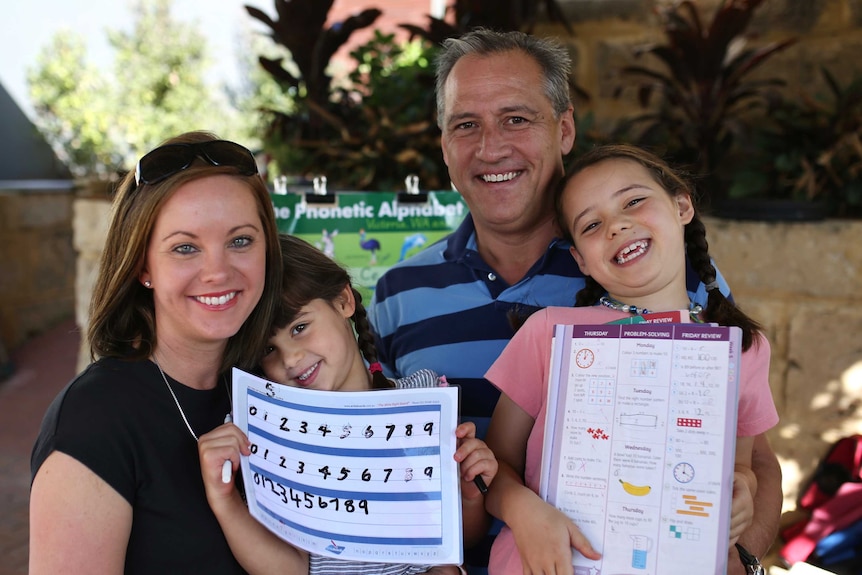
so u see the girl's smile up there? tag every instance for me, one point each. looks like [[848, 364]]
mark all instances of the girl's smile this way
[[307, 377]]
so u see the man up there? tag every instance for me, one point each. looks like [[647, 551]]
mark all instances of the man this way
[[507, 122]]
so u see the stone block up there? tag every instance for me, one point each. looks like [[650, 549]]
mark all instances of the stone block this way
[[38, 263], [792, 15], [590, 10], [822, 398], [786, 258], [90, 222], [44, 210]]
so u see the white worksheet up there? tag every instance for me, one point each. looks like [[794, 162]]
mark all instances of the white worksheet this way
[[639, 444], [366, 476]]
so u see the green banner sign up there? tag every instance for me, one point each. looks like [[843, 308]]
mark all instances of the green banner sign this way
[[368, 232]]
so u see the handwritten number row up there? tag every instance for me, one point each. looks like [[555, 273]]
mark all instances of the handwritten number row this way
[[346, 430], [308, 500], [366, 474]]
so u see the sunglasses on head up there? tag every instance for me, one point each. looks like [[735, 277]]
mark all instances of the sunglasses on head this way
[[167, 160]]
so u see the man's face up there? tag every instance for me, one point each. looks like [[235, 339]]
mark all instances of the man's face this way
[[502, 142]]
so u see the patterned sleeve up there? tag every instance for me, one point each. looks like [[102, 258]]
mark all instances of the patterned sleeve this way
[[421, 378]]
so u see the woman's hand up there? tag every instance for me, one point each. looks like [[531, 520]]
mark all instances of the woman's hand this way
[[224, 443]]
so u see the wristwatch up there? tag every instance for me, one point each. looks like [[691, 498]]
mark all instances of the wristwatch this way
[[752, 563]]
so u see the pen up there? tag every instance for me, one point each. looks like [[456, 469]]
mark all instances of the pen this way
[[480, 483], [227, 466]]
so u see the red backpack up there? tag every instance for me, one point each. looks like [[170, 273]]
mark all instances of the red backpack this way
[[833, 497]]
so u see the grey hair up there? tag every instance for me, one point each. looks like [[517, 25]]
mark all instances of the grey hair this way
[[551, 56]]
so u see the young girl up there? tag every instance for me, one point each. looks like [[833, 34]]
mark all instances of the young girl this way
[[314, 346], [631, 222]]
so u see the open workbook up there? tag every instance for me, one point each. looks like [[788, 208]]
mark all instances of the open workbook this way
[[639, 443], [366, 475]]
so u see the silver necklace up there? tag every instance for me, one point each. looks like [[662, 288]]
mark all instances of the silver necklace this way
[[694, 309], [177, 401]]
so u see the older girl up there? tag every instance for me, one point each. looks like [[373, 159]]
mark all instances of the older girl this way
[[632, 222]]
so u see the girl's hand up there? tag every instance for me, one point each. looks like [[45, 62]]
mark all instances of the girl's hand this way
[[545, 538], [224, 443], [476, 459], [742, 505]]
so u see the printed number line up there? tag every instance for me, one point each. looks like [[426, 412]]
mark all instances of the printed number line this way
[[395, 451], [341, 494], [344, 538], [358, 411]]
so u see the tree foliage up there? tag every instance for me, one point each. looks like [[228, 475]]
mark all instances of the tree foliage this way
[[100, 123]]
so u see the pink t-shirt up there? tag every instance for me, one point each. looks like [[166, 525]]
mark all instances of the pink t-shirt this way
[[521, 372]]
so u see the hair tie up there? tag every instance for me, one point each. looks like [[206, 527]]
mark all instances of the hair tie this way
[[712, 285], [375, 367]]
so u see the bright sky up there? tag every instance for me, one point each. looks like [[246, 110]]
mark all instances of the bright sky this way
[[25, 27]]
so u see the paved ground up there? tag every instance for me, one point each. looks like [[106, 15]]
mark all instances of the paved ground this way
[[42, 367]]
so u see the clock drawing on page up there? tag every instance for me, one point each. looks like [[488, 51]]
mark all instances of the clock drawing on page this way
[[584, 358], [683, 472]]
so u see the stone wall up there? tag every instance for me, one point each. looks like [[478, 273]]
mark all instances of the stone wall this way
[[607, 33], [800, 280], [36, 261], [91, 217]]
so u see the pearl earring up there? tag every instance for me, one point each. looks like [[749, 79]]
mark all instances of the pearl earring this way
[[147, 284]]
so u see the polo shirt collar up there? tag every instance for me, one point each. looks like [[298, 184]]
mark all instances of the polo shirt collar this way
[[461, 246]]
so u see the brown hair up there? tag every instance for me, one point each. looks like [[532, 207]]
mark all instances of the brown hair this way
[[122, 318], [309, 274], [719, 309]]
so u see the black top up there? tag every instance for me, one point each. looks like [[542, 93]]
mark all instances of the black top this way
[[119, 419]]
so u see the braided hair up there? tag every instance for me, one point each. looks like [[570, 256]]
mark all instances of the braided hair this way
[[309, 274], [719, 309]]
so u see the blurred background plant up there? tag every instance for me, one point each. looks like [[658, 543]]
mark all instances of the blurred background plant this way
[[703, 96], [366, 133], [376, 126], [699, 91], [99, 123], [808, 149]]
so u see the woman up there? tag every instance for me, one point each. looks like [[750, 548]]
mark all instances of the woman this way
[[186, 289]]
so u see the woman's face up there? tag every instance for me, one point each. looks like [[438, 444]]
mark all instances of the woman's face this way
[[206, 261]]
